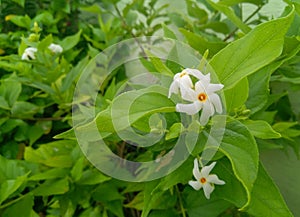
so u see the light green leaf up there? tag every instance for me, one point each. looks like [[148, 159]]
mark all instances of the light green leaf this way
[[22, 21], [10, 90], [252, 52], [3, 103], [9, 186], [230, 14], [70, 41], [22, 208], [55, 154], [201, 44], [24, 109], [168, 32], [266, 198], [159, 65], [52, 187], [50, 174], [237, 96], [10, 169], [174, 131], [92, 177], [234, 2], [240, 148], [261, 129]]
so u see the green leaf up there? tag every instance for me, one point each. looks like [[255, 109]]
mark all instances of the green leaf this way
[[236, 96], [3, 103], [70, 41], [10, 169], [128, 108], [174, 131], [10, 90], [9, 186], [261, 129], [22, 208], [168, 32], [197, 204], [195, 11], [92, 177], [50, 174], [22, 21], [234, 2], [150, 197], [201, 44], [55, 154], [20, 2], [266, 198], [159, 65], [230, 14], [252, 52], [240, 148], [258, 89], [52, 187], [24, 109]]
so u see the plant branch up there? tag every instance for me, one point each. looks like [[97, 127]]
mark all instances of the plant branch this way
[[180, 202]]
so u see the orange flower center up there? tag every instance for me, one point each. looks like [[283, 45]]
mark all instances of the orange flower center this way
[[182, 74], [202, 97], [203, 180]]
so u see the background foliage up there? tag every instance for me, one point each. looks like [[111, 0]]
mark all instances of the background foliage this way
[[254, 53]]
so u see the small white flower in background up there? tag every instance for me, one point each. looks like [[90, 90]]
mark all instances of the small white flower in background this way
[[204, 179], [29, 52], [203, 96], [55, 48]]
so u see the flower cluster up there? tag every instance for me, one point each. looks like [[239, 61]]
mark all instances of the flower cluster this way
[[204, 179], [29, 53], [201, 95]]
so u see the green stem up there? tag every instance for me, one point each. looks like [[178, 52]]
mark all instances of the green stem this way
[[180, 202]]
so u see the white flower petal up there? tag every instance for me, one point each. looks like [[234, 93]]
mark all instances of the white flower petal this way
[[195, 72], [208, 110], [55, 48], [195, 184], [25, 56], [215, 100], [173, 88], [205, 171], [196, 171], [189, 109], [29, 52], [186, 81], [188, 94], [208, 189], [201, 86], [215, 180], [214, 87]]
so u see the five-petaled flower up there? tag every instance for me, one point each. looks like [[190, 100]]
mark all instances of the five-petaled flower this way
[[29, 52], [55, 48], [204, 179]]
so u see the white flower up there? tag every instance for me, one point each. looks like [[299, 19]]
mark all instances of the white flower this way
[[183, 80], [55, 48], [202, 97], [204, 179], [29, 52]]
